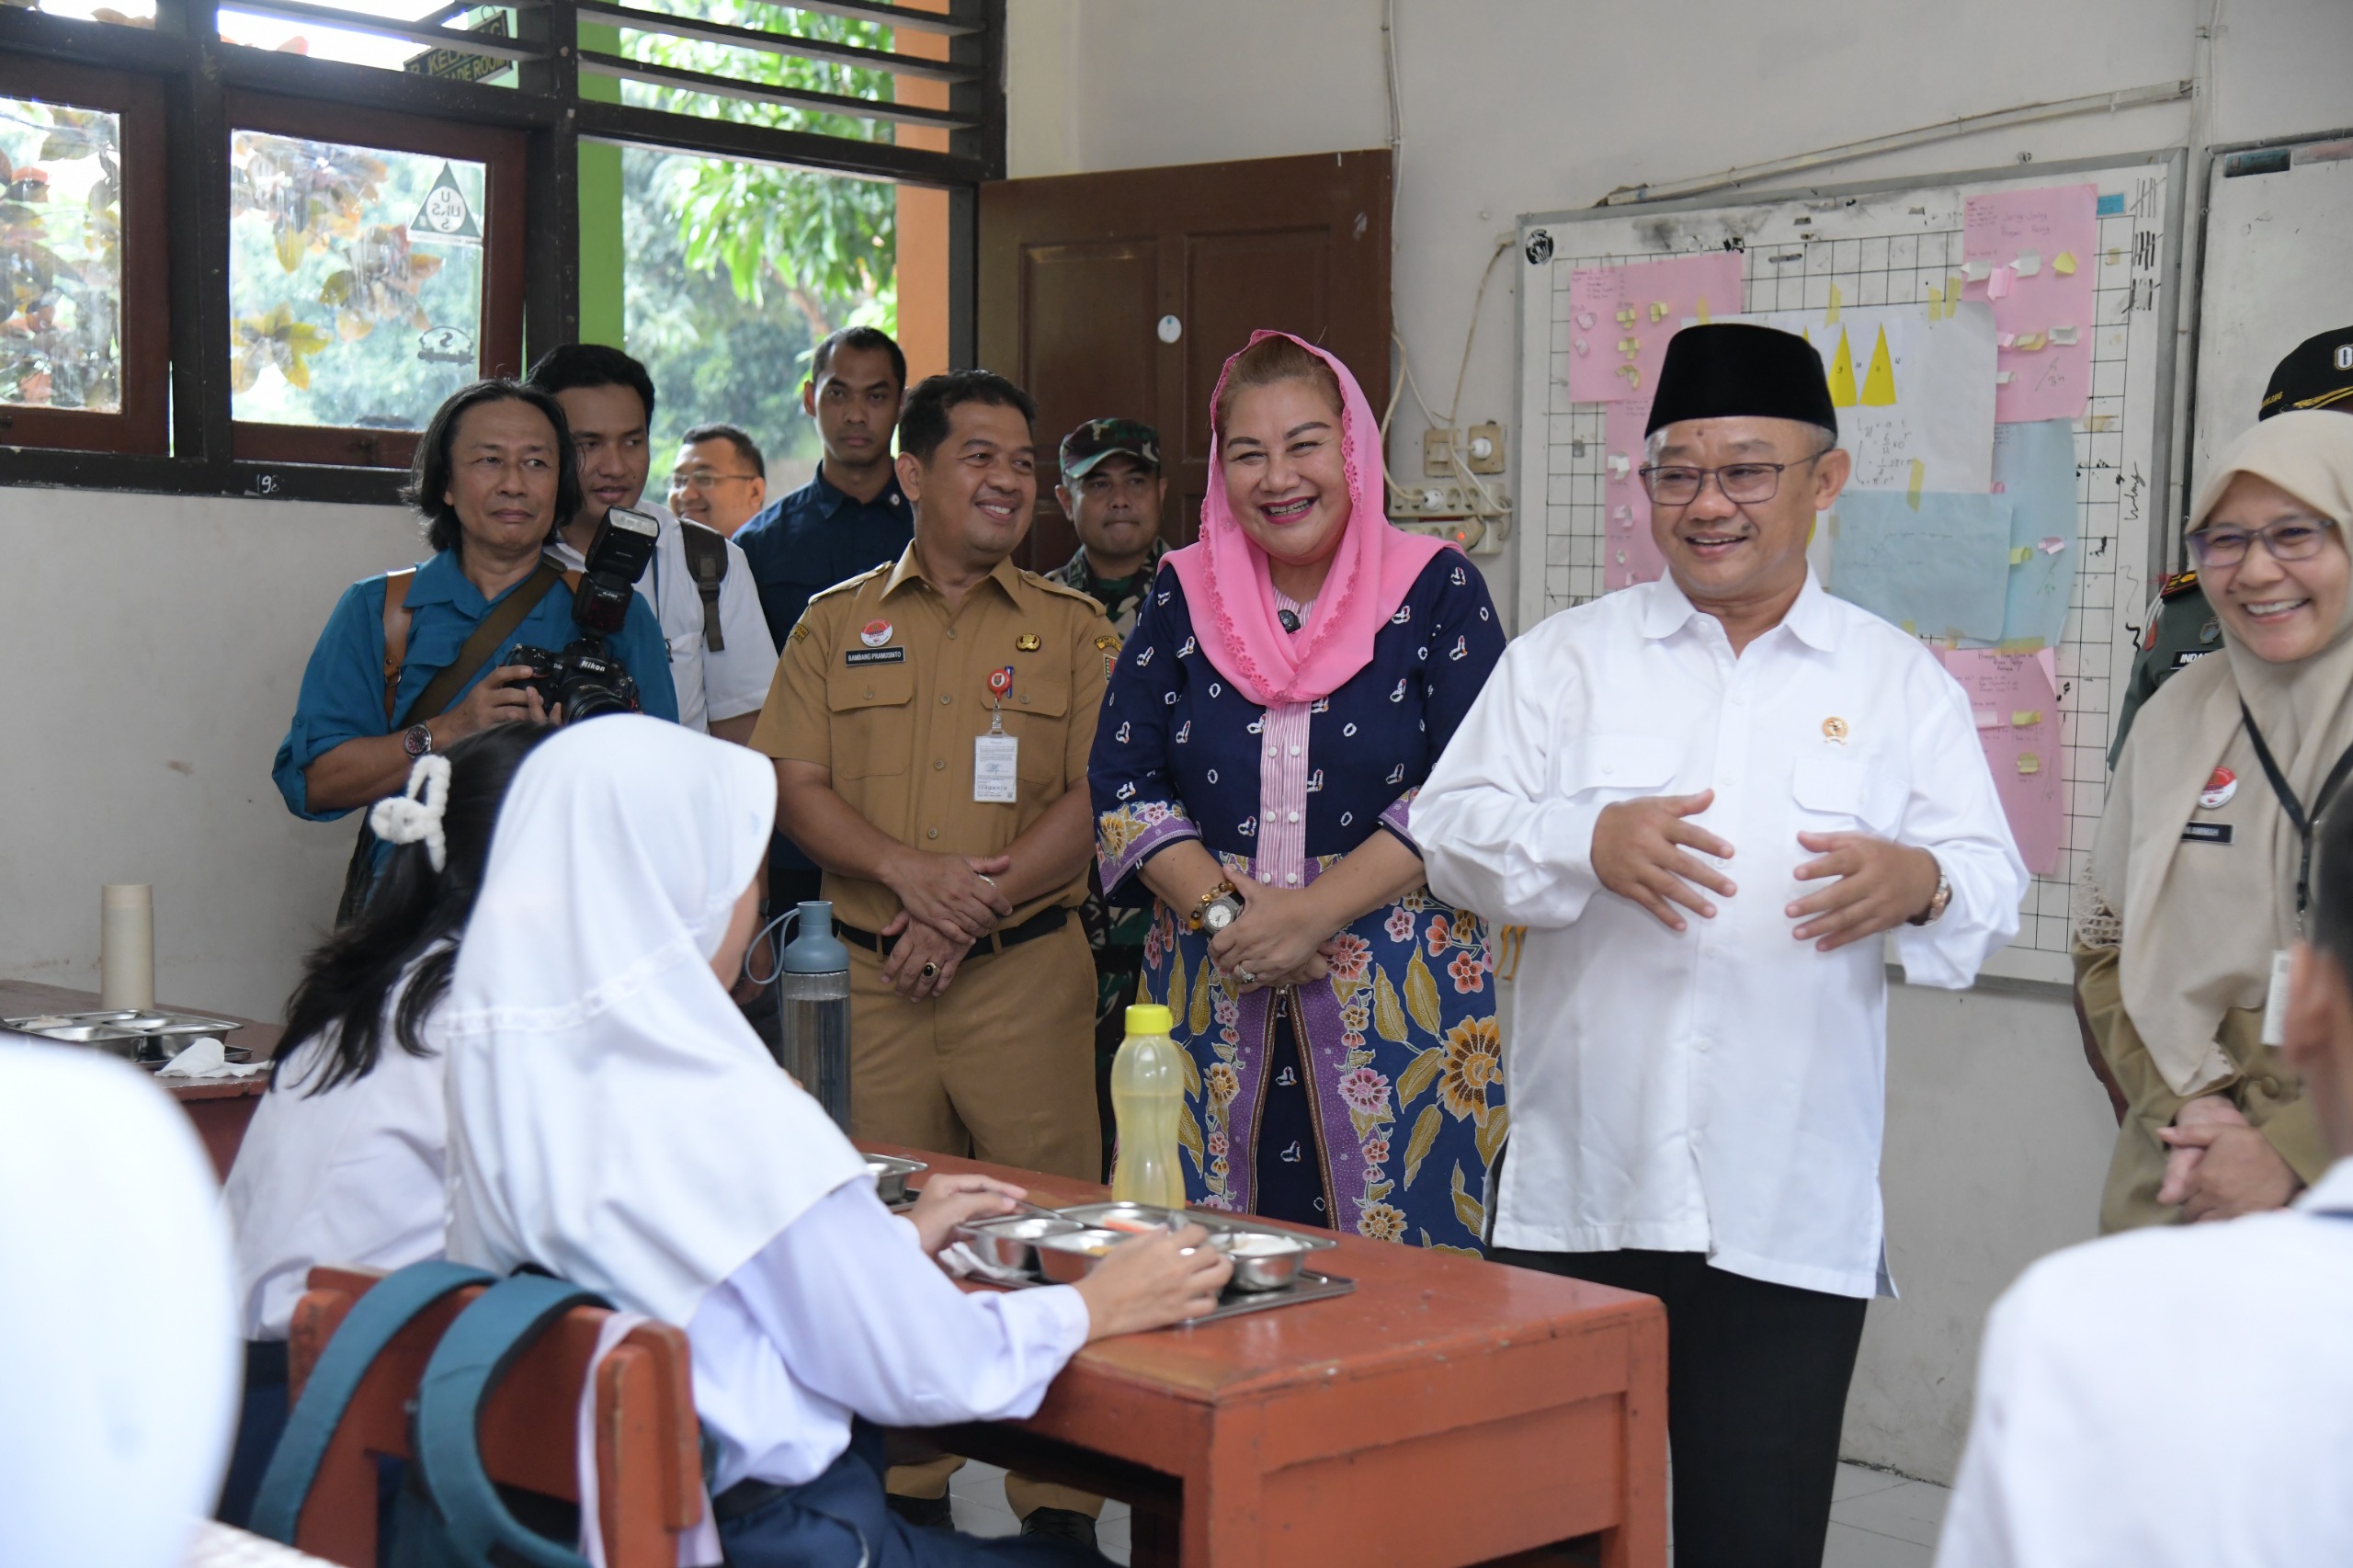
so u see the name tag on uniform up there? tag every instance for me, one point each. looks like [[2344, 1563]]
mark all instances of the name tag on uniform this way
[[857, 656], [996, 759], [2207, 833], [2189, 656]]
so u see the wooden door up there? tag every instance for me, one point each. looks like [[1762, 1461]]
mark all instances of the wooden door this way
[[1077, 272]]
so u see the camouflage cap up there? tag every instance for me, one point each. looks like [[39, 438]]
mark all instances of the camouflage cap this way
[[1100, 438]]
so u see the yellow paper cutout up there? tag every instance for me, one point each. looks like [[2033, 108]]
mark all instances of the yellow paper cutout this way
[[2029, 763], [1878, 382], [2029, 342], [2024, 717], [2099, 422], [1830, 317], [1842, 374], [1658, 311], [2019, 556], [2019, 646], [1919, 481], [2063, 264]]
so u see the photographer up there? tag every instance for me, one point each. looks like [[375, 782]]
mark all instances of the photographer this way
[[700, 584], [413, 659]]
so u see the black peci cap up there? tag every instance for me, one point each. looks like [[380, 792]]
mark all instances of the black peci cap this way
[[2318, 373], [1733, 371]]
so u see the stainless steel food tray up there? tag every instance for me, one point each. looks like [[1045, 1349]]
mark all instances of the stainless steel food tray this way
[[891, 1174], [149, 1034], [1104, 1214], [1310, 1286]]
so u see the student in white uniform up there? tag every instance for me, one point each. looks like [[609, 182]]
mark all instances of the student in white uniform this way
[[344, 1161], [2104, 1431], [614, 1121], [118, 1344], [1708, 797]]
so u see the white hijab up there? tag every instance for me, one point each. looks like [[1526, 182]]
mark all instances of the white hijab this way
[[2201, 927], [612, 1117], [118, 1318]]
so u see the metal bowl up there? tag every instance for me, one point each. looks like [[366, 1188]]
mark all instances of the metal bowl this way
[[1067, 1258], [1263, 1260], [891, 1174], [1012, 1243]]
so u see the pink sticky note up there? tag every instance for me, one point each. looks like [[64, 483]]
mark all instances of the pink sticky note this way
[[2000, 229], [1633, 558], [2033, 800], [1661, 293]]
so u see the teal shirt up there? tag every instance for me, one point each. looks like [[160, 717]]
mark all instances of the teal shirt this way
[[343, 688]]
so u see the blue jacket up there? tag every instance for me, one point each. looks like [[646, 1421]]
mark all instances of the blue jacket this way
[[343, 688], [805, 542]]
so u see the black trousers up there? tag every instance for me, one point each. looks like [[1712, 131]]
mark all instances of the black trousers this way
[[1756, 1379]]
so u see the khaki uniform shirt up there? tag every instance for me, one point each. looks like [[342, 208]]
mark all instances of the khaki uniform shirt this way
[[881, 684]]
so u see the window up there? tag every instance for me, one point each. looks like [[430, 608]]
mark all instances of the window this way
[[250, 245], [371, 276], [82, 344]]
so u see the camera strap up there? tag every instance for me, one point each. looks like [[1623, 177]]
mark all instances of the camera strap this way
[[487, 641]]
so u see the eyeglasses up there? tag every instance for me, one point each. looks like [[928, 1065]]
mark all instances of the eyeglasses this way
[[1741, 483], [701, 480], [2290, 539]]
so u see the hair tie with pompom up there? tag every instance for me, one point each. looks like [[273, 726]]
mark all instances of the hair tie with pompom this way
[[416, 816]]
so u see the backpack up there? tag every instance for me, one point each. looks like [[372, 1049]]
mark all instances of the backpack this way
[[450, 1514]]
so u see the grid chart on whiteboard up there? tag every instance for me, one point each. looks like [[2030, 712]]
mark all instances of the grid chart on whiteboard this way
[[2114, 491]]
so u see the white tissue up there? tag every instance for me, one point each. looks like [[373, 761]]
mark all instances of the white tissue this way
[[207, 1058]]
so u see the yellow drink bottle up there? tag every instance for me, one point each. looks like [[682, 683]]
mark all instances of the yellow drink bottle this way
[[1147, 1099]]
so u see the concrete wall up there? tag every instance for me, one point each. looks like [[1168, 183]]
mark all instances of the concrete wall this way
[[155, 645], [1996, 1136]]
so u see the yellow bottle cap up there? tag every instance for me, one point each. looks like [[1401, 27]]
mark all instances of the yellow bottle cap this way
[[1148, 1017]]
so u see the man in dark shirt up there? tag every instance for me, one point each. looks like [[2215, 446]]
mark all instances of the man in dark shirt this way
[[1112, 490], [850, 518]]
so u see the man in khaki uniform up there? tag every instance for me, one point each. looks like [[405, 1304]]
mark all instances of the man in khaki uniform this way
[[931, 722]]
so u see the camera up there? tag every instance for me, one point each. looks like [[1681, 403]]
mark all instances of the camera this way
[[585, 679]]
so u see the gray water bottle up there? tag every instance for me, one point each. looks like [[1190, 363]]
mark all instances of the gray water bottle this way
[[812, 1006]]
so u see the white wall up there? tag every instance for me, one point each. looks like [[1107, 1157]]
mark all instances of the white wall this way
[[155, 645], [1996, 1135]]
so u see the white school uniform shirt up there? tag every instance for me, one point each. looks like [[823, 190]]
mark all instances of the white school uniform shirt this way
[[355, 1174], [726, 684], [2097, 1440], [1721, 1090]]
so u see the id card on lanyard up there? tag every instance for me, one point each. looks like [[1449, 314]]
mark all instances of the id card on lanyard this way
[[996, 756], [2275, 1001]]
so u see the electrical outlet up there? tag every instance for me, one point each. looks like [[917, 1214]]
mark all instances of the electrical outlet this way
[[1438, 453], [1482, 450]]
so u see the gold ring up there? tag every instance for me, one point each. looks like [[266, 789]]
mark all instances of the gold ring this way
[[929, 970]]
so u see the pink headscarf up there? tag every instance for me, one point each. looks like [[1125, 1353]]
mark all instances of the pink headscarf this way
[[1233, 598]]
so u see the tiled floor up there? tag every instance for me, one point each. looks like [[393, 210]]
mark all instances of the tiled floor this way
[[1879, 1520]]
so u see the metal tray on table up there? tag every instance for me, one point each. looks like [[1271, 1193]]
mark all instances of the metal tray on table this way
[[149, 1036], [1001, 1242], [891, 1174], [1149, 1217]]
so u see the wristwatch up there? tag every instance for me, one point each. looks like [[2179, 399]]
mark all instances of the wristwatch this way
[[416, 740], [1216, 910], [1936, 901]]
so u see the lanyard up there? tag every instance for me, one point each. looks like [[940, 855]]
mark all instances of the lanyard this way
[[2295, 808]]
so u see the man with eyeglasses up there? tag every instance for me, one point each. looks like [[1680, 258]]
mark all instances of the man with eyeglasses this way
[[1708, 797], [720, 479]]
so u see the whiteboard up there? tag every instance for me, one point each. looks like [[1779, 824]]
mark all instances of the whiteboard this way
[[1888, 242], [2276, 267]]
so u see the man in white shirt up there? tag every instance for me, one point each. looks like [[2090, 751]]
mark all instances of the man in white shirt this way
[[1708, 798], [722, 657], [2083, 1453]]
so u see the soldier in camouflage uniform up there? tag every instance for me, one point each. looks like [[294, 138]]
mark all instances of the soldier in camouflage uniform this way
[[2183, 628], [1112, 490]]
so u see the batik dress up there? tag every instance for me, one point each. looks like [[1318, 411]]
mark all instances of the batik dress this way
[[1404, 1071]]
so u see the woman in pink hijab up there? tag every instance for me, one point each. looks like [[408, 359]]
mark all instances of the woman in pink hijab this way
[[1290, 681]]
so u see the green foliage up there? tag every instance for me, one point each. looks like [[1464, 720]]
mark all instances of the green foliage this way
[[829, 242], [61, 265]]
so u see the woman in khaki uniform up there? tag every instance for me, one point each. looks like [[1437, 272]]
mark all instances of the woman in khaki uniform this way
[[2195, 881]]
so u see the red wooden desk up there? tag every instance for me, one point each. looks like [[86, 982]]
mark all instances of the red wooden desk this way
[[1448, 1412], [220, 1110]]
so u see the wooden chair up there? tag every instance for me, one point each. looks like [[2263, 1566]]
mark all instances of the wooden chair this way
[[648, 1458]]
